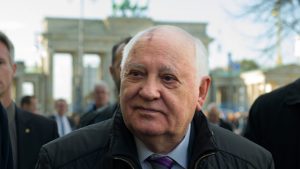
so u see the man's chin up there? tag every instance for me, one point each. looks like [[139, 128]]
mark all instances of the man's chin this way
[[148, 132]]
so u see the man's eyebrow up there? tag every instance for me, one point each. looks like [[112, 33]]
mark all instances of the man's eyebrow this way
[[168, 69], [134, 65]]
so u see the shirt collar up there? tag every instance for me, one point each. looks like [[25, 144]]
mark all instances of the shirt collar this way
[[11, 113], [58, 116], [180, 151]]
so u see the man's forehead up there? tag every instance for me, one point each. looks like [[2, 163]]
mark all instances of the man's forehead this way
[[167, 39], [163, 67], [4, 53], [168, 32], [3, 48]]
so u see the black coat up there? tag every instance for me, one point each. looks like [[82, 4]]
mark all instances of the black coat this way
[[99, 115], [33, 131], [110, 145], [274, 122], [6, 159]]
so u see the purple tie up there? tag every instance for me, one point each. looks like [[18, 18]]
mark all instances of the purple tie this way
[[160, 162]]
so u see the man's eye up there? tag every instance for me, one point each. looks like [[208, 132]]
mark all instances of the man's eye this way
[[169, 78], [135, 73]]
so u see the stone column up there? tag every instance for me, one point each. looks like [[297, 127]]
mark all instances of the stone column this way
[[49, 84]]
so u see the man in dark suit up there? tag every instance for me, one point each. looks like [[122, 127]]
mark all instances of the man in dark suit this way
[[28, 131], [29, 103], [6, 161], [65, 124], [108, 111], [274, 122]]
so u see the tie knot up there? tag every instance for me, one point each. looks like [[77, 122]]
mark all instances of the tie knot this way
[[160, 162]]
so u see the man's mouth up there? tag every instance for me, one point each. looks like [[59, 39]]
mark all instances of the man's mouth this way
[[147, 109]]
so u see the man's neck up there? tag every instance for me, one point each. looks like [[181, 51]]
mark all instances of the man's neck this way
[[60, 115], [98, 105], [6, 101], [160, 144]]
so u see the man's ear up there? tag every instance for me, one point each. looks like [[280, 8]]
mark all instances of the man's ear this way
[[203, 90], [111, 70]]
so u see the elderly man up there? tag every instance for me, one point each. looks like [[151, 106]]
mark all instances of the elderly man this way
[[164, 84], [101, 100], [101, 97], [213, 114], [28, 131]]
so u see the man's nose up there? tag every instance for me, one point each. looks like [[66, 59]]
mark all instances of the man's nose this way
[[150, 89]]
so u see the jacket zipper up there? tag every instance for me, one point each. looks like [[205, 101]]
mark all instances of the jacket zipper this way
[[201, 158], [124, 160]]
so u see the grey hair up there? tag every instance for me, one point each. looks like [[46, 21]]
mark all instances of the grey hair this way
[[212, 106], [103, 84], [200, 50], [10, 47], [201, 58]]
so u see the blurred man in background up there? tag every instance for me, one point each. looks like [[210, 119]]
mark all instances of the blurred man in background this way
[[6, 159], [28, 131], [65, 124], [101, 96], [29, 103], [274, 122], [107, 111], [214, 116]]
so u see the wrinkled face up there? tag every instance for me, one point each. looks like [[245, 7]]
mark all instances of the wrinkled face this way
[[7, 71], [159, 90], [101, 95]]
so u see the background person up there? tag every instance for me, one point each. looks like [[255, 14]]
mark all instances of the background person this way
[[29, 103], [65, 125], [28, 131], [213, 115], [273, 123], [101, 96], [6, 159], [108, 111]]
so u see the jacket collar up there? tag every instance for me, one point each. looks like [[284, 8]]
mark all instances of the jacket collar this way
[[293, 93], [123, 144], [122, 141], [202, 140]]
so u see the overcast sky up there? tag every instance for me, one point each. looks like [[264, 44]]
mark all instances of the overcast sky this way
[[22, 21]]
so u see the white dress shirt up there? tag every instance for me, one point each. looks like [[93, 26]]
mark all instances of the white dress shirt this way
[[179, 154], [63, 125]]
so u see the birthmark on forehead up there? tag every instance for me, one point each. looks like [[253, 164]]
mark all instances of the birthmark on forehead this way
[[149, 37]]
